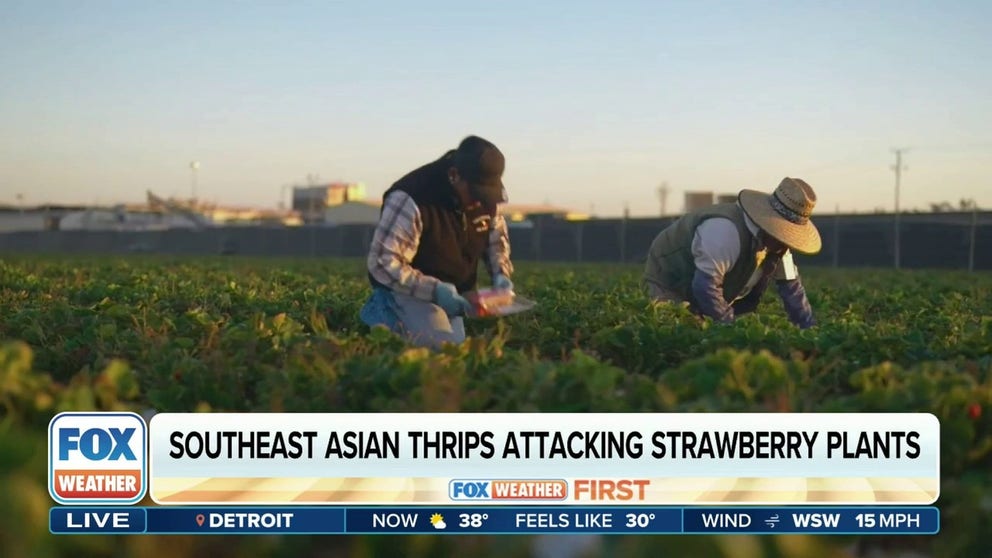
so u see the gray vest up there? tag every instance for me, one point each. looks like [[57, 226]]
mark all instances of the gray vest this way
[[670, 264]]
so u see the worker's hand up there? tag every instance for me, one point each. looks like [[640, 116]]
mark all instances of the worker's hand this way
[[446, 296], [502, 282]]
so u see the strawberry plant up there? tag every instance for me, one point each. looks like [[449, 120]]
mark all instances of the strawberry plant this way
[[230, 334]]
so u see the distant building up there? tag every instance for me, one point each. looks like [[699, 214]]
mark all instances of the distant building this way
[[251, 216], [698, 200], [124, 219], [39, 218], [312, 201], [520, 212], [367, 212], [726, 198], [353, 213], [20, 220]]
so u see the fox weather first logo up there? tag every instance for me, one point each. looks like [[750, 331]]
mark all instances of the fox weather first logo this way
[[97, 458]]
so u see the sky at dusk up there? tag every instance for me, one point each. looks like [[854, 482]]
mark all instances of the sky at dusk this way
[[594, 104]]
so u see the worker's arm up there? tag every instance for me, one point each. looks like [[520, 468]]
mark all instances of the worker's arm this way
[[394, 245], [498, 252], [749, 303], [715, 249], [707, 291], [790, 288]]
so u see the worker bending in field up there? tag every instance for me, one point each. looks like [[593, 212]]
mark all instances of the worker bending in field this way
[[436, 224], [720, 259]]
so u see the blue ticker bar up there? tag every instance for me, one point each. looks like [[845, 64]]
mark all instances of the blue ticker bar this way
[[330, 520]]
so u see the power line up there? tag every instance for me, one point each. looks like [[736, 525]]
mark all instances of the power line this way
[[954, 148]]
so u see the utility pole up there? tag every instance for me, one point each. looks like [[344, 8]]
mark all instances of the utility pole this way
[[623, 232], [663, 197], [194, 166], [971, 240], [898, 168], [836, 250], [282, 197]]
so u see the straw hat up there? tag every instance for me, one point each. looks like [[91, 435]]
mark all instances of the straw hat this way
[[784, 214]]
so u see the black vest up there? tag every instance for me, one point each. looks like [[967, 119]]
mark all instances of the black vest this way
[[453, 240]]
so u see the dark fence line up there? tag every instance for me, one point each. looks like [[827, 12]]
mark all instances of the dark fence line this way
[[941, 241]]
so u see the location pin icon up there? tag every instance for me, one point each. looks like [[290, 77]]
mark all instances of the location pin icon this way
[[199, 519]]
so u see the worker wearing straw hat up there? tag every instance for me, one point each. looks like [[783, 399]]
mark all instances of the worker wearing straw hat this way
[[720, 260]]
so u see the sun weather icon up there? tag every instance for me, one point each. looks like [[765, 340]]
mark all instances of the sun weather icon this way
[[438, 521]]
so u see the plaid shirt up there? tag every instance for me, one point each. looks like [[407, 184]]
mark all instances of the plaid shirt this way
[[395, 243]]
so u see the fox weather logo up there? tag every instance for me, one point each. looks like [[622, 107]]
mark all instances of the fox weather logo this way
[[469, 490], [96, 458]]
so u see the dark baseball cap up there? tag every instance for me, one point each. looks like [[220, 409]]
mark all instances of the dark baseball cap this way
[[481, 164]]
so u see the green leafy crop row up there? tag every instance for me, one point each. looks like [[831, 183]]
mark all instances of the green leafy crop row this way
[[270, 335]]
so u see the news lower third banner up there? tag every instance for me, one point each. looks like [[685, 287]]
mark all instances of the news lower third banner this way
[[328, 520], [578, 459], [550, 458]]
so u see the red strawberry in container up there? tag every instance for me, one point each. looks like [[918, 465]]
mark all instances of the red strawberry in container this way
[[497, 302]]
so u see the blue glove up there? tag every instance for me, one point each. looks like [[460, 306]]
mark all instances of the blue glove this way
[[709, 298], [446, 296], [502, 282], [380, 309], [796, 304]]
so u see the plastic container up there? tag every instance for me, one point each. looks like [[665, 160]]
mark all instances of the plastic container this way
[[492, 302]]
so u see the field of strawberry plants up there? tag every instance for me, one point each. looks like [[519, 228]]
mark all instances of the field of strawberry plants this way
[[229, 334]]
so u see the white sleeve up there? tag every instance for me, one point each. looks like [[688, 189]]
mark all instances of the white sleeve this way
[[716, 246]]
